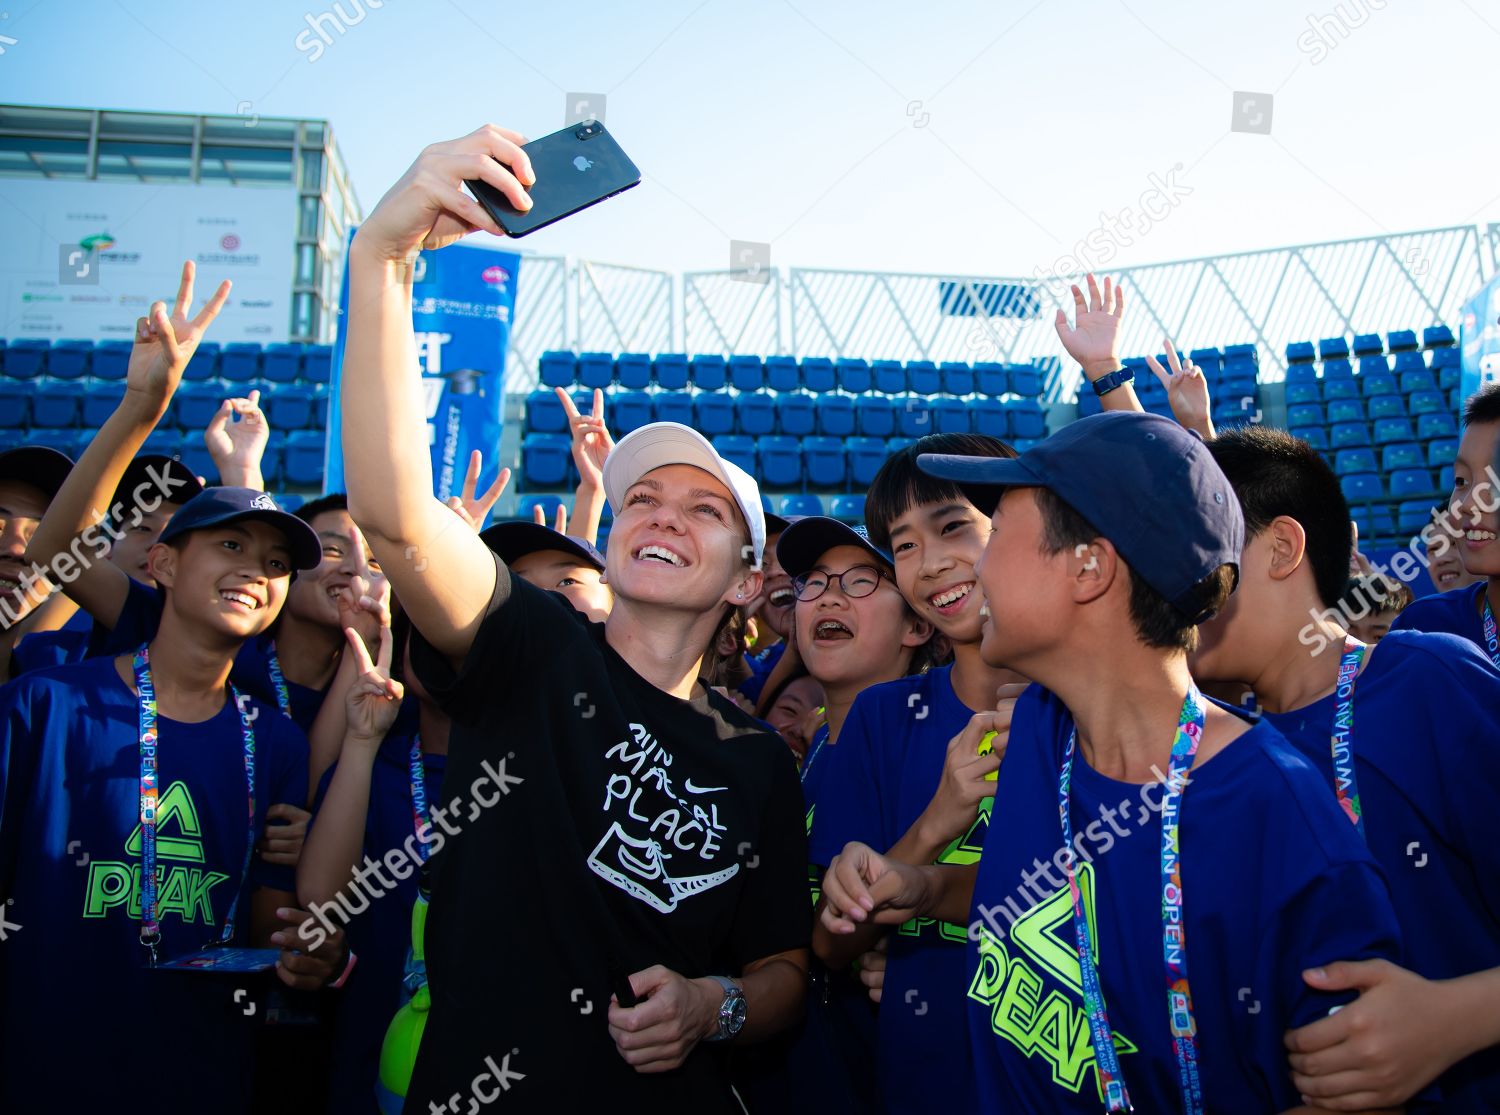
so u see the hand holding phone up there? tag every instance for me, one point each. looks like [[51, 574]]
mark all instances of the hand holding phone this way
[[575, 168]]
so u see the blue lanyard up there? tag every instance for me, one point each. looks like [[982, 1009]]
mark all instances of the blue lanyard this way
[[1174, 941], [1491, 639], [1345, 785], [149, 786], [418, 778], [820, 737], [283, 697]]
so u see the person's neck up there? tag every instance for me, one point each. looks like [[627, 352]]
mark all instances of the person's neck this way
[[189, 674], [665, 646], [976, 683], [308, 652], [1296, 673], [837, 701], [432, 726], [1492, 594]]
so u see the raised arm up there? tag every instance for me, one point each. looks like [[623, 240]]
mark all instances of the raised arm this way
[[236, 439], [1093, 339], [443, 574], [1187, 391], [591, 444], [164, 343]]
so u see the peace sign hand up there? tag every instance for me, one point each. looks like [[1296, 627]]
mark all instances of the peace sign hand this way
[[1092, 339], [559, 518], [1187, 391], [375, 698], [474, 509], [164, 343], [591, 439]]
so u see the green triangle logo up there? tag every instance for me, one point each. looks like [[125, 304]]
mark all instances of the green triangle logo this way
[[174, 809], [1045, 932], [967, 847]]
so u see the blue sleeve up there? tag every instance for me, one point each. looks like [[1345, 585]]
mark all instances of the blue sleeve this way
[[16, 747], [137, 622], [849, 803], [286, 783], [1469, 765]]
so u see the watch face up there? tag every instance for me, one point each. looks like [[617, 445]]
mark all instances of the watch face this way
[[736, 1014]]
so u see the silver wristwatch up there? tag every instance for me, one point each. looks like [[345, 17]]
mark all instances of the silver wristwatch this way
[[731, 1010]]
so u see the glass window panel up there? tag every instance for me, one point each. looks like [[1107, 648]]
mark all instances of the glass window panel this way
[[145, 162], [26, 118], [36, 158], [247, 166], [249, 127], [312, 170], [146, 125]]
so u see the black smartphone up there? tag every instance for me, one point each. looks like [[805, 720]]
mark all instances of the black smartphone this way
[[575, 168]]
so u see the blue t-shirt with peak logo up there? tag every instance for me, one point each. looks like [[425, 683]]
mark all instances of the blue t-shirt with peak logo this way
[[1426, 743], [379, 934], [879, 779], [81, 1016], [1458, 612], [1274, 881]]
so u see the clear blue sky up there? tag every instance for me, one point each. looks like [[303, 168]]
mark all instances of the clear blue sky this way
[[795, 122]]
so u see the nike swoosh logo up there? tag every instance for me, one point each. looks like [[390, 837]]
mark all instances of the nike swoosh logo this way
[[690, 788]]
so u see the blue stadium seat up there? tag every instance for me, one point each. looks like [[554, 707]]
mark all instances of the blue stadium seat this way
[[1305, 414], [202, 367], [957, 378], [1387, 406], [304, 457], [951, 416], [782, 373], [549, 504], [1089, 403], [1441, 451], [633, 371], [671, 370], [1361, 486], [1347, 462], [780, 461], [673, 406], [1337, 368], [795, 415], [200, 462], [282, 362], [26, 357], [853, 376], [320, 406], [317, 364], [1438, 423], [1409, 362], [1300, 393], [64, 441], [288, 501], [545, 459], [746, 373], [558, 369], [1378, 383], [1368, 344], [1241, 352], [1239, 411], [993, 419], [1374, 521], [196, 405], [825, 461], [1341, 387], [1445, 479], [849, 509], [866, 455], [1211, 360], [898, 443], [875, 416], [545, 414], [835, 415], [1411, 482], [240, 361], [922, 378], [1302, 373], [754, 413], [1330, 347], [287, 408], [913, 416], [818, 375], [1348, 435], [1025, 380], [1417, 380], [709, 372], [632, 411], [713, 413], [1399, 454], [69, 359], [595, 369], [801, 504], [991, 379], [1436, 336], [1027, 419], [1455, 400], [1400, 340], [890, 376], [1238, 387], [1412, 516], [1299, 352], [1373, 366], [112, 358], [739, 449], [1427, 402], [15, 406], [273, 463], [1345, 410], [1449, 377], [1446, 358], [1388, 430], [1315, 436], [56, 404]]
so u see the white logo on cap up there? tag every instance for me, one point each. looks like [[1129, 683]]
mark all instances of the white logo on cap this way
[[263, 502]]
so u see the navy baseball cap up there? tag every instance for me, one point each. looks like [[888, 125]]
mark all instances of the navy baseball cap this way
[[166, 477], [1148, 485], [215, 507], [812, 536], [515, 540], [37, 465]]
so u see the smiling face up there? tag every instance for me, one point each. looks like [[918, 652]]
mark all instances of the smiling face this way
[[847, 641], [21, 509], [348, 569], [559, 571], [680, 542], [1476, 498], [132, 553], [233, 578], [1026, 590], [777, 590], [788, 713], [936, 546], [1444, 562]]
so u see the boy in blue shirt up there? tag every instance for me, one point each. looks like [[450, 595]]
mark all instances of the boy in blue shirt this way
[[1474, 508], [1419, 716], [30, 478], [1112, 540]]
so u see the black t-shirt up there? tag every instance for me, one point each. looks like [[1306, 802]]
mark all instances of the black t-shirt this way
[[633, 829]]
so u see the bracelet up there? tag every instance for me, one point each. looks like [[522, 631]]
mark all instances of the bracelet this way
[[348, 967], [1118, 378]]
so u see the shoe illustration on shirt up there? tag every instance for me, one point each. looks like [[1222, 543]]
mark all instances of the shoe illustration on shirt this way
[[638, 867]]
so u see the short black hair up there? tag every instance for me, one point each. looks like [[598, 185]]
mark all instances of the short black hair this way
[[1158, 622], [1483, 405], [1273, 474], [900, 485], [334, 501]]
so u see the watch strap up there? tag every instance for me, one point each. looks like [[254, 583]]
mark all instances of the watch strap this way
[[1119, 377]]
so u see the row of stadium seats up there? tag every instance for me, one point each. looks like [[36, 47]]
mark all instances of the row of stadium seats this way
[[293, 459], [29, 358], [54, 405], [1387, 431], [1369, 344], [1393, 523], [797, 414], [673, 371]]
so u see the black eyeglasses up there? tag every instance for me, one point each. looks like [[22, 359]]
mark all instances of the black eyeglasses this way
[[854, 582]]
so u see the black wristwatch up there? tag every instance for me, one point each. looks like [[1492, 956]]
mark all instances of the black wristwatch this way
[[1105, 384], [731, 1010]]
